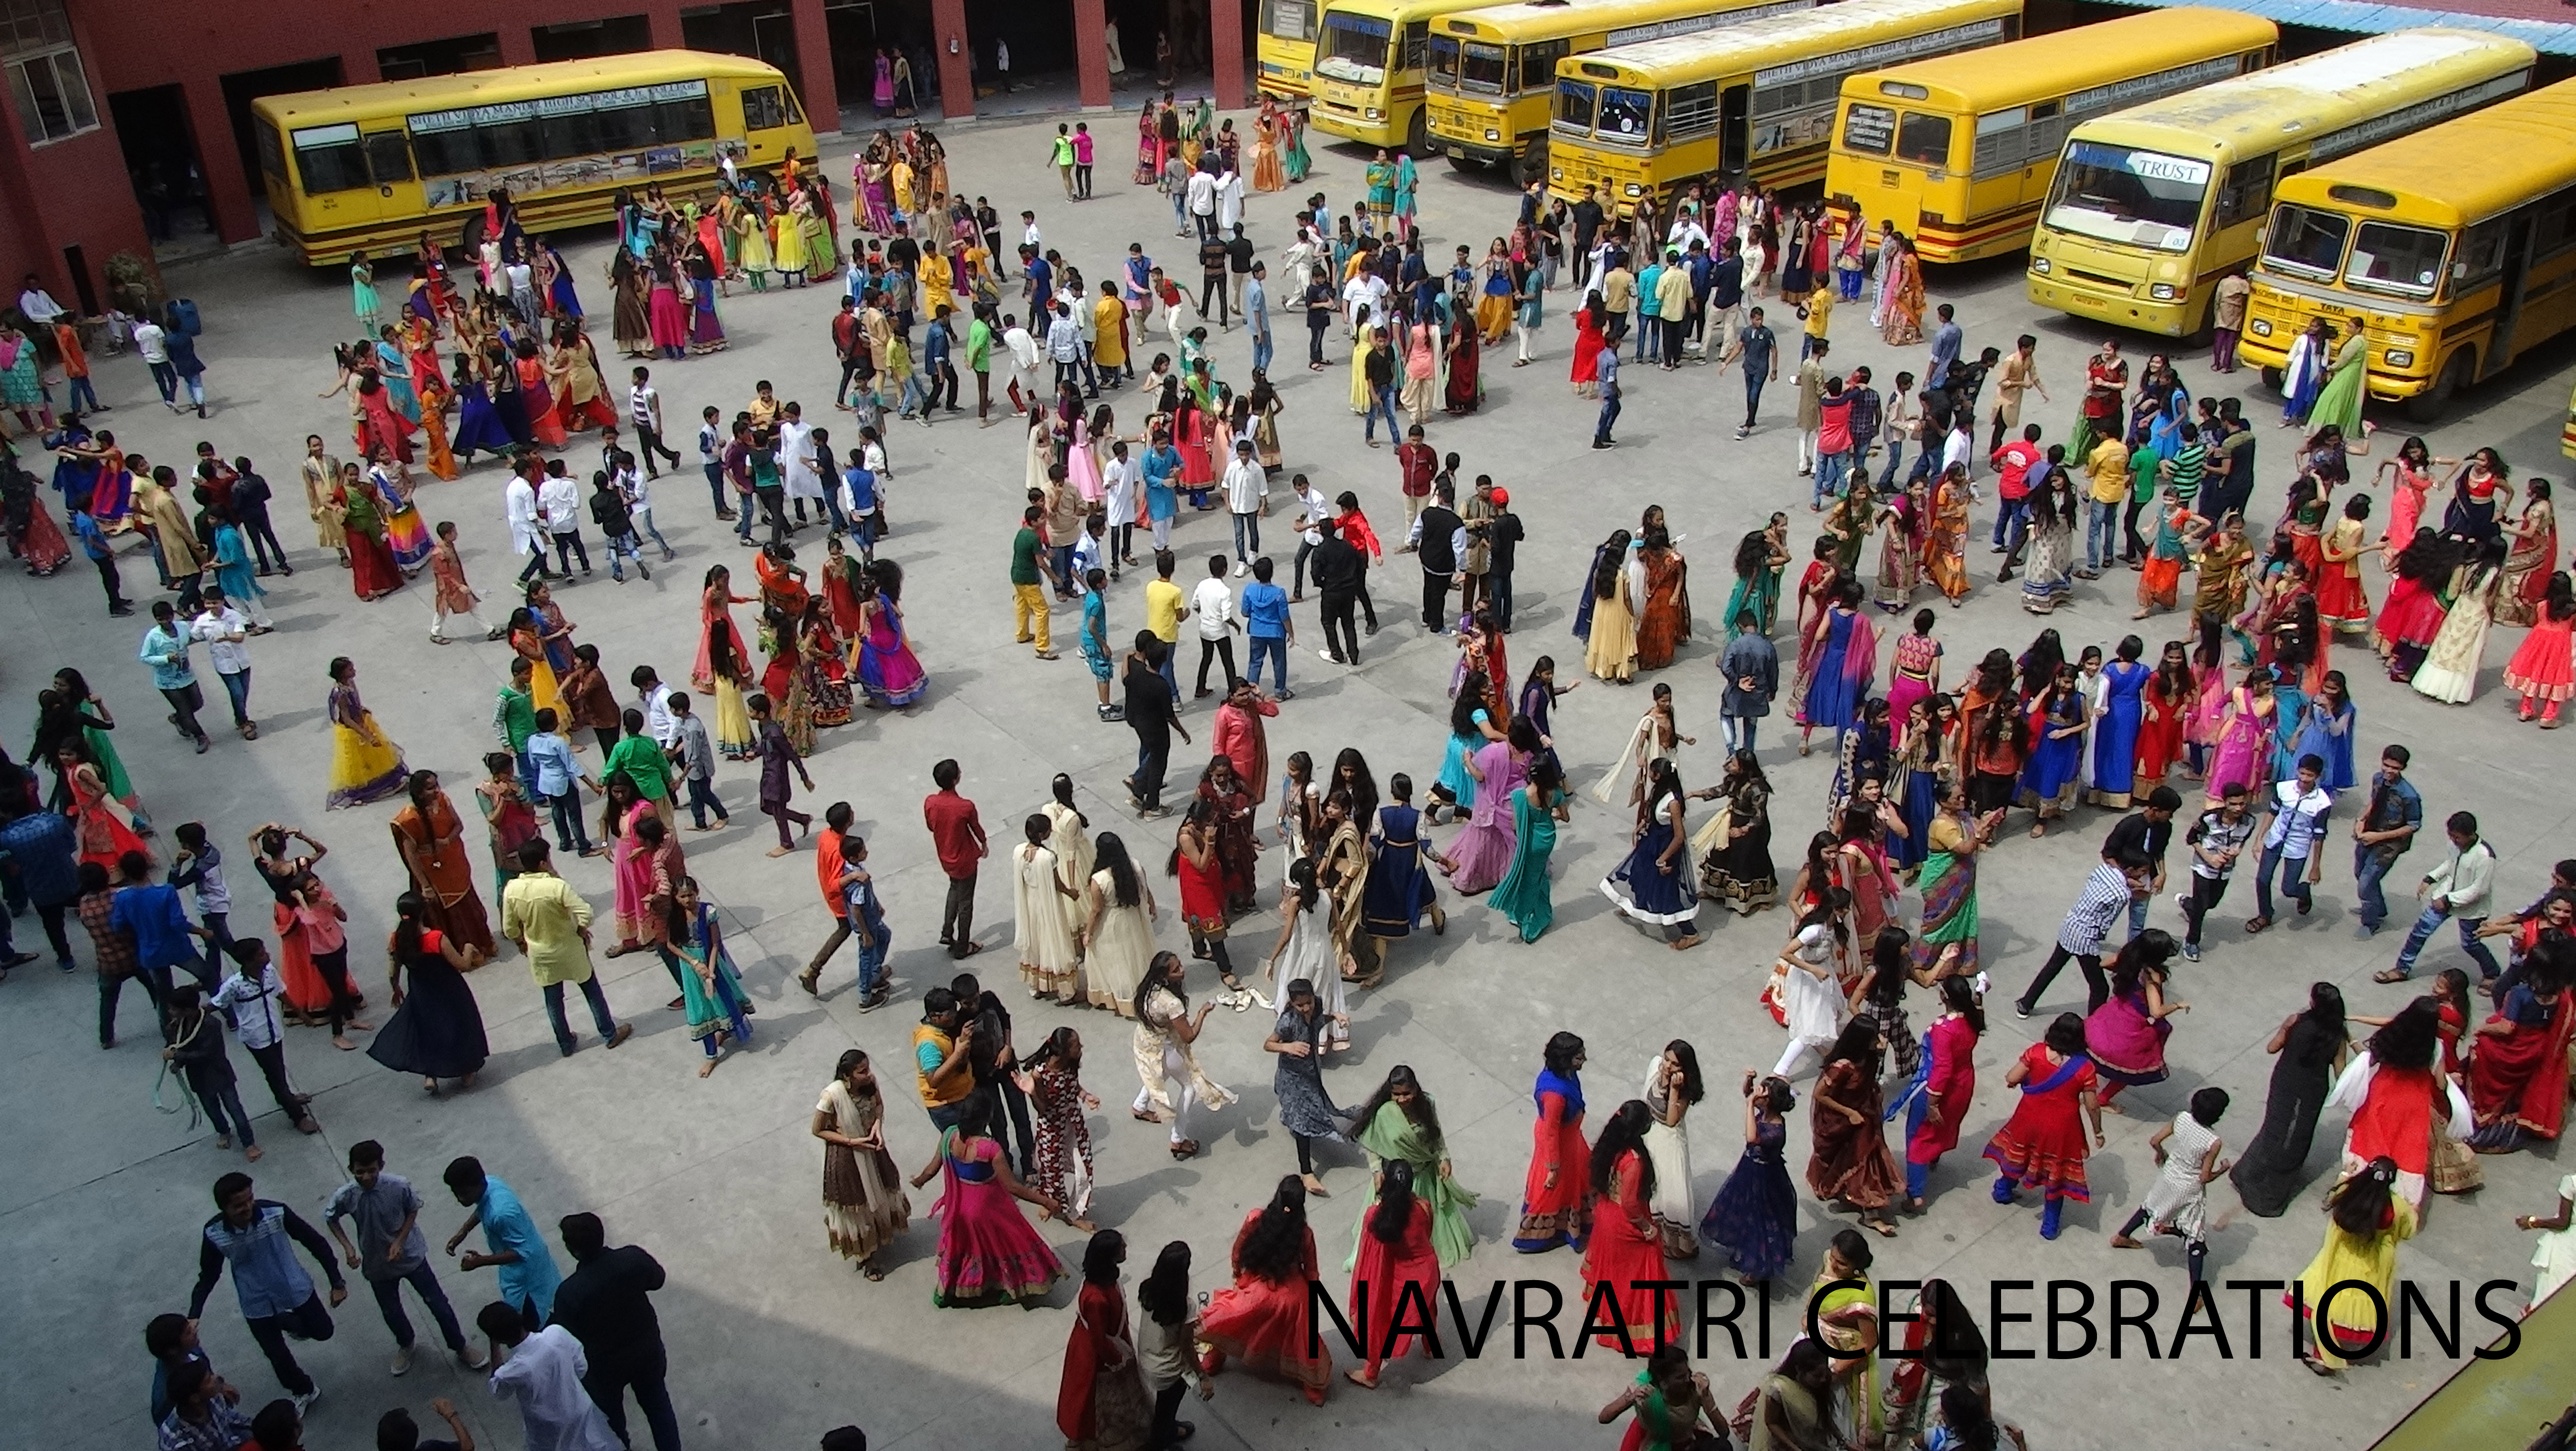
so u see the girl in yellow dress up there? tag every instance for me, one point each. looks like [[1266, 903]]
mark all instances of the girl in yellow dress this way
[[1359, 363], [787, 239], [752, 251], [544, 691], [365, 766], [2365, 1220], [1610, 652]]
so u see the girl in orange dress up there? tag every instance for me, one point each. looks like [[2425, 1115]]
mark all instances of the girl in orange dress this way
[[1263, 1319], [1555, 1199], [434, 395], [1626, 1251], [545, 417]]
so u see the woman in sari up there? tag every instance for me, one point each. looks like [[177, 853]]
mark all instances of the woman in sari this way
[[1900, 284], [104, 828], [1844, 1302], [2531, 558], [1626, 1252], [1401, 1124], [1838, 662], [2518, 1074], [1268, 174], [1948, 940], [1610, 649], [430, 838], [372, 572], [1149, 147], [1660, 580], [1850, 1163], [1901, 549]]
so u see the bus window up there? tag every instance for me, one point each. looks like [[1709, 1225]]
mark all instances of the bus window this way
[[1689, 111], [272, 152], [1483, 68], [1444, 60], [1574, 106], [1625, 113], [1289, 19], [1417, 38], [511, 143], [2481, 255], [2246, 194], [1734, 143], [1353, 49], [1870, 129], [690, 119], [2130, 195], [2403, 260], [330, 159], [388, 157], [764, 108], [1538, 64], [1924, 139], [2306, 241]]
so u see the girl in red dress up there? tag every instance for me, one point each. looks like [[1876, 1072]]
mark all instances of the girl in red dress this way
[[2169, 697], [1554, 1198], [1396, 1261], [1626, 1252], [1262, 1319], [2043, 1144], [1101, 1400], [2394, 1090], [2543, 668]]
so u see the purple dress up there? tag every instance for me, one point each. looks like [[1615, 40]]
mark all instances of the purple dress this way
[[888, 671], [1755, 1214], [1482, 854]]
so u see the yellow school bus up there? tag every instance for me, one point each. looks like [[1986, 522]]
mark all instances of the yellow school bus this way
[[2451, 269], [1493, 71], [369, 168], [1959, 152], [1370, 67], [1756, 99], [2153, 205], [1286, 47]]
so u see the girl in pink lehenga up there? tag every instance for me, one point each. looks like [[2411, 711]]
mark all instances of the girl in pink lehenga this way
[[888, 671], [988, 1253], [630, 865], [1481, 856]]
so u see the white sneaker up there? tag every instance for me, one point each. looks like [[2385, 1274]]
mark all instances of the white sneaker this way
[[402, 1360], [304, 1402], [1241, 569], [473, 1359]]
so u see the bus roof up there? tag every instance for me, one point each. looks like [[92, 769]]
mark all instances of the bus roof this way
[[509, 83], [1400, 11], [2067, 61], [2321, 93], [1749, 47], [2530, 143], [1546, 19]]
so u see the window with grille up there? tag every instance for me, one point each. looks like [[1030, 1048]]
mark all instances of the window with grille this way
[[45, 71]]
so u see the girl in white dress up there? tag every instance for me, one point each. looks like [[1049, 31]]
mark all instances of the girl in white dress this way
[[2187, 1159], [1811, 990], [1305, 950], [1118, 933], [1044, 900], [1672, 1086], [1069, 837]]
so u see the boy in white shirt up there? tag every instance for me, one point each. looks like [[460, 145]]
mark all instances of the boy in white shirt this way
[[1213, 603], [1119, 479]]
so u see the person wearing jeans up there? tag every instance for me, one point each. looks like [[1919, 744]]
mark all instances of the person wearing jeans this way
[[957, 837], [1268, 628], [2107, 471], [557, 773], [2216, 843], [391, 1252], [2386, 829], [1608, 368], [250, 1235], [165, 649], [549, 923], [1380, 368], [2299, 810], [2460, 887]]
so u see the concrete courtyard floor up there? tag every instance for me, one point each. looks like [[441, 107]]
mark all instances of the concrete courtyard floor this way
[[772, 1338]]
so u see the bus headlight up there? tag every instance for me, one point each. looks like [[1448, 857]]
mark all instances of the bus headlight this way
[[2262, 327], [2401, 357], [1493, 135], [2163, 292], [1375, 114], [1556, 173], [1633, 189], [2039, 265]]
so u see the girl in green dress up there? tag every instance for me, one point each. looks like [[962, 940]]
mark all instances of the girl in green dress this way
[[1522, 896], [1400, 1122]]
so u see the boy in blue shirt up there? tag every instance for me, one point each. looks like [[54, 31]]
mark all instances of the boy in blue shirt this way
[[550, 754], [512, 1244], [1265, 620]]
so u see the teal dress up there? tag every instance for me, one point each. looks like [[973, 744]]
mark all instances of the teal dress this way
[[1454, 780], [1522, 895], [717, 1007]]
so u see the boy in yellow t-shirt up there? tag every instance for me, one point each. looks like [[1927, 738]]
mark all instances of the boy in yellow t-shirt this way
[[1163, 605], [1819, 313]]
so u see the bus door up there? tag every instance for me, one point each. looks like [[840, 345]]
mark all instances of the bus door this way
[[349, 179], [389, 167], [1734, 130], [2509, 301]]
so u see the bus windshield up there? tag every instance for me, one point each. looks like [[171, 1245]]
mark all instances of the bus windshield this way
[[2129, 195], [2307, 241], [2403, 260], [1484, 68], [1574, 106], [1353, 48], [1288, 19], [1443, 62], [1625, 113]]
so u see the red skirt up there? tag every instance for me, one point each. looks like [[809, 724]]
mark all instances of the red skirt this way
[[1627, 1260], [2160, 739], [2342, 604], [2412, 615], [2544, 665], [371, 566], [1264, 1327]]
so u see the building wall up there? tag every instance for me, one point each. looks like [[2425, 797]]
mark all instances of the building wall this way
[[65, 194]]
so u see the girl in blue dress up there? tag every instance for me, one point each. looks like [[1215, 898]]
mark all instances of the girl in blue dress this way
[[478, 424], [1754, 1217], [1657, 884], [2115, 733], [2057, 720]]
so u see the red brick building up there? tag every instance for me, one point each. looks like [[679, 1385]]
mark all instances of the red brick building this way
[[128, 120]]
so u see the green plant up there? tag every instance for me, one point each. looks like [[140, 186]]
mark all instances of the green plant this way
[[133, 283]]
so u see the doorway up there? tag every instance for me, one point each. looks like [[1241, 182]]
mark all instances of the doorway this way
[[160, 152], [243, 87]]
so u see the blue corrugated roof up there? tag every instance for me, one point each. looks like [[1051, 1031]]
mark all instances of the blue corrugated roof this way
[[2362, 18]]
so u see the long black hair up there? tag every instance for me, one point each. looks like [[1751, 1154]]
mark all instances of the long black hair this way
[[1424, 1114], [1395, 1203], [2147, 952], [1102, 1257], [2409, 1039], [1472, 691], [1625, 1132], [1157, 978], [1858, 1044], [1752, 556], [1301, 875], [1275, 1250], [1959, 995], [408, 911], [1109, 854], [1689, 1087], [1888, 957], [1606, 564], [1164, 1295], [2365, 1203], [1955, 1346]]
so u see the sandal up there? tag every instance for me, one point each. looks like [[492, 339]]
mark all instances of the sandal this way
[[2257, 924], [1186, 1149], [872, 1270], [2390, 975]]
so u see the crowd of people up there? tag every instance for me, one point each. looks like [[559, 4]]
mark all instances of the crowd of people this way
[[2238, 726]]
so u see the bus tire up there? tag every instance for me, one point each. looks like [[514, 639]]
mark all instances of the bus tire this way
[[2272, 379], [2429, 405], [473, 234], [1531, 165], [1417, 134]]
